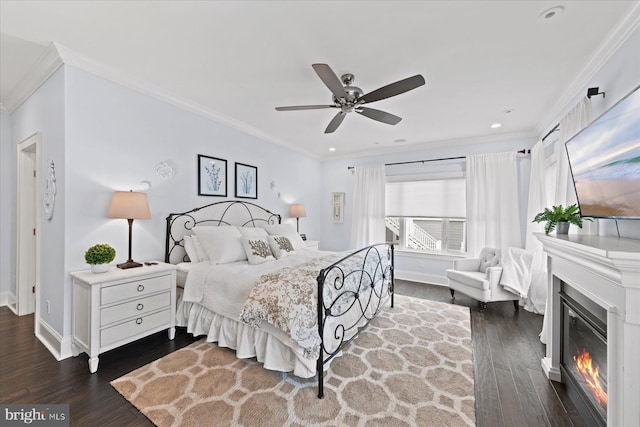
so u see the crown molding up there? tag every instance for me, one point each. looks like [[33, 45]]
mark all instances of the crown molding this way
[[47, 64], [525, 139], [609, 46]]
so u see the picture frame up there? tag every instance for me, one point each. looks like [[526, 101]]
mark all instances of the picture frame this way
[[246, 181], [212, 176], [338, 208]]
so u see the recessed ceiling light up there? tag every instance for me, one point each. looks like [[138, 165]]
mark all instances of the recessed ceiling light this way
[[400, 140], [495, 125], [551, 13], [332, 149]]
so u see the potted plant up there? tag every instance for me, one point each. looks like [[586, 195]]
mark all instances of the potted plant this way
[[99, 256], [560, 217]]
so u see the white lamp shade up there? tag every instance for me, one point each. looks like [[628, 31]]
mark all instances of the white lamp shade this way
[[297, 211], [129, 205]]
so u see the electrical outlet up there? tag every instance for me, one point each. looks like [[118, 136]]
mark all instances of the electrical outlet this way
[[48, 307]]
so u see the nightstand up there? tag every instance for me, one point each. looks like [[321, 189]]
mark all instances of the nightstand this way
[[120, 306], [312, 244]]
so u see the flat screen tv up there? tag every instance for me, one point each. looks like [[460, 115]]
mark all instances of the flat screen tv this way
[[605, 162]]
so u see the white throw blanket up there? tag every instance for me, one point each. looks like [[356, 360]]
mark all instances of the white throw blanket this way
[[516, 271]]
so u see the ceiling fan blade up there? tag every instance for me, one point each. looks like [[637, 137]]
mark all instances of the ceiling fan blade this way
[[393, 89], [330, 79], [304, 107], [335, 122], [378, 115]]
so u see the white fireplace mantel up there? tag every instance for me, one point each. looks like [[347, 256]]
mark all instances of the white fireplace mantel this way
[[607, 270]]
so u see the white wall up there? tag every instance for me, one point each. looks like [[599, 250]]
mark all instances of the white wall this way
[[115, 138], [7, 210], [337, 178], [44, 112]]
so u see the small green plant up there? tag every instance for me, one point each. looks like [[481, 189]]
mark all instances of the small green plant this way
[[100, 254], [558, 214]]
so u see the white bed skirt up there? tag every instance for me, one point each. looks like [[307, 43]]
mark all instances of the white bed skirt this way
[[246, 340]]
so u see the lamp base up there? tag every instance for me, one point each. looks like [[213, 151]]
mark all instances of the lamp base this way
[[129, 264]]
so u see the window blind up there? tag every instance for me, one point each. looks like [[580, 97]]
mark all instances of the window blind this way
[[438, 198]]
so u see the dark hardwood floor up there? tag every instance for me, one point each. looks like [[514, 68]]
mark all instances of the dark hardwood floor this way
[[511, 389]]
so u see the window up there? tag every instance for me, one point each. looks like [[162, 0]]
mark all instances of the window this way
[[427, 216]]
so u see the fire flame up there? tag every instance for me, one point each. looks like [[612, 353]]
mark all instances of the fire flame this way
[[584, 363]]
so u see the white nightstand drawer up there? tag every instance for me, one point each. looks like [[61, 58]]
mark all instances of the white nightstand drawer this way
[[134, 327], [136, 307], [111, 294]]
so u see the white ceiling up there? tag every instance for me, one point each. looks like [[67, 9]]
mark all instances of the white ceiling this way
[[235, 61]]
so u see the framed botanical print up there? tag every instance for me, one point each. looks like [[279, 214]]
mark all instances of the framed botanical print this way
[[246, 181], [212, 176]]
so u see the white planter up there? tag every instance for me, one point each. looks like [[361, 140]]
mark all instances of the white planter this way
[[99, 268]]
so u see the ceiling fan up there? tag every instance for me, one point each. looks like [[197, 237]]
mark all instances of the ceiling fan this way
[[350, 98]]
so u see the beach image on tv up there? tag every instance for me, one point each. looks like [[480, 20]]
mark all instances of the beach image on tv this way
[[605, 162]]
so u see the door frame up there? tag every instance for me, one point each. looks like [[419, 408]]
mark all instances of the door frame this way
[[27, 187]]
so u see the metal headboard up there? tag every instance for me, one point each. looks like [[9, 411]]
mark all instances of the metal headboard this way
[[228, 212]]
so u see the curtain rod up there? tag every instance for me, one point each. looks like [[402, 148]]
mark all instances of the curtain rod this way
[[523, 151], [592, 91], [555, 128]]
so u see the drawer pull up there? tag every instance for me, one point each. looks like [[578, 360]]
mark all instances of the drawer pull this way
[[139, 321], [140, 307], [140, 288]]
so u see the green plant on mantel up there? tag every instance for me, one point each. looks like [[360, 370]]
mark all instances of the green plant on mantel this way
[[558, 214], [100, 254]]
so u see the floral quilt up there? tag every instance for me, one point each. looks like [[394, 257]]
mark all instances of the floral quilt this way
[[287, 299]]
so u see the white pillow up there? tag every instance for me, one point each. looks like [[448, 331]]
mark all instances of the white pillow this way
[[190, 249], [221, 244], [281, 246], [257, 249], [202, 254], [253, 232], [289, 231], [194, 249]]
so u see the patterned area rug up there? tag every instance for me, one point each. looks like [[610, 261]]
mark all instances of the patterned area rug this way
[[412, 366]]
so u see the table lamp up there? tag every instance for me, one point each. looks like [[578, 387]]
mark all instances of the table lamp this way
[[129, 205]]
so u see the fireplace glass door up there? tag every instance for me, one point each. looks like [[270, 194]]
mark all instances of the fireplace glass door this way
[[584, 356]]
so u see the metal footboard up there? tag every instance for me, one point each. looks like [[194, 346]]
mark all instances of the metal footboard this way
[[351, 293]]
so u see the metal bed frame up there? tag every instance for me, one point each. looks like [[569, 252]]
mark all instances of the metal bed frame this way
[[361, 281]]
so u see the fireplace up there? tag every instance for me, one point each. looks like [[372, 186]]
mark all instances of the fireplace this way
[[583, 356], [593, 305]]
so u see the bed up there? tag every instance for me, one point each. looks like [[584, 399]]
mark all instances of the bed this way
[[270, 308]]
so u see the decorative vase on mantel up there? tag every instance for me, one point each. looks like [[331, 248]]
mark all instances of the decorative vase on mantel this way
[[563, 227]]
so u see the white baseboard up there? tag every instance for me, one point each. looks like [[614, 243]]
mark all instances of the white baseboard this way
[[421, 277], [8, 299], [58, 346]]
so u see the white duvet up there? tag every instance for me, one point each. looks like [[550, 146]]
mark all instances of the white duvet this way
[[224, 288]]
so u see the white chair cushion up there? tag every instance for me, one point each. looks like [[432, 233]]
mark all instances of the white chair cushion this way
[[489, 258], [475, 279]]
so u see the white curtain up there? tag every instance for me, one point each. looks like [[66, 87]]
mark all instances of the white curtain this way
[[493, 217], [368, 227], [577, 119], [538, 200]]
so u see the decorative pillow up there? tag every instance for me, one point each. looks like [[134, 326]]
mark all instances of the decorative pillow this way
[[289, 231], [489, 258], [257, 249], [281, 246], [253, 232], [221, 244]]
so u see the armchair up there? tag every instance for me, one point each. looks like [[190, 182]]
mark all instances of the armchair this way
[[480, 279]]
